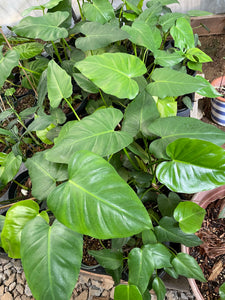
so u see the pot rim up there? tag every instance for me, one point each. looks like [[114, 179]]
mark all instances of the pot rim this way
[[216, 83]]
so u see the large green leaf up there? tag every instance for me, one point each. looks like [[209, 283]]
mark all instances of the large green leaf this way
[[7, 63], [182, 34], [85, 83], [44, 175], [99, 36], [46, 27], [169, 230], [28, 50], [143, 35], [2, 221], [159, 288], [172, 128], [209, 90], [139, 114], [195, 166], [50, 4], [190, 216], [16, 218], [100, 11], [94, 133], [58, 83], [108, 258], [113, 73], [159, 255], [127, 292], [168, 204], [96, 201], [64, 6], [150, 15], [187, 266], [168, 59], [10, 167], [168, 82], [51, 258], [140, 268], [168, 20]]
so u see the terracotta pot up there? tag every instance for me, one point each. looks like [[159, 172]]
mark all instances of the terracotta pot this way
[[218, 103], [203, 199]]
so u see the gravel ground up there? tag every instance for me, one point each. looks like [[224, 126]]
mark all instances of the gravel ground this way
[[13, 285]]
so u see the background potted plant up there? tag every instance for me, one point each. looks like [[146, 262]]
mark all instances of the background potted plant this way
[[130, 149], [217, 103]]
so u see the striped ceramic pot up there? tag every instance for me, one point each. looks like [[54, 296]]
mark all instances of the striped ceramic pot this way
[[218, 104]]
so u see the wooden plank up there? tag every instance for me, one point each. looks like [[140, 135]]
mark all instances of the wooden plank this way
[[215, 23]]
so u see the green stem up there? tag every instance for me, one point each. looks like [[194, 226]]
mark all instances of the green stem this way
[[64, 49], [144, 56], [73, 110], [13, 83], [130, 160], [80, 9], [20, 185], [66, 44], [100, 241], [135, 49], [103, 98], [56, 52], [28, 70]]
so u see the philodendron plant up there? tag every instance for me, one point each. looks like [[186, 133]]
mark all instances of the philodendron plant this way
[[115, 173]]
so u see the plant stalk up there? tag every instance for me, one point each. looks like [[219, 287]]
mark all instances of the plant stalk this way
[[73, 110]]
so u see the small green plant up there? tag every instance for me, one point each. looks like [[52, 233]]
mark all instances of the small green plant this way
[[130, 148]]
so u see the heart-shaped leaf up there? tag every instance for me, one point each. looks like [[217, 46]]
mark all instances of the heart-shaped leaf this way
[[140, 268], [100, 11], [58, 83], [16, 218], [182, 34], [99, 36], [169, 19], [187, 266], [50, 4], [44, 175], [195, 166], [143, 35], [107, 258], [168, 59], [158, 254], [169, 231], [46, 27], [172, 128], [94, 133], [127, 292], [190, 216], [150, 15], [28, 50], [113, 73], [7, 63], [168, 82], [208, 91], [96, 201], [10, 167], [159, 288], [139, 114], [51, 258], [168, 204]]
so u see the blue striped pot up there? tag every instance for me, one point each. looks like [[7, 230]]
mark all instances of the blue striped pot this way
[[218, 104]]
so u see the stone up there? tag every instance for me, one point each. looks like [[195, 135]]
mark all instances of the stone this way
[[1, 290], [10, 279], [12, 286], [172, 295], [1, 269], [112, 293], [23, 276], [1, 278], [106, 294], [19, 288], [8, 272], [27, 290], [107, 284], [83, 296], [18, 298], [19, 279], [184, 296], [7, 296], [7, 266], [93, 292]]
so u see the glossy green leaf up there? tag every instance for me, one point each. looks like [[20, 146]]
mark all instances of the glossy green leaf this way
[[16, 218], [113, 73], [51, 258], [159, 255], [168, 20], [168, 82], [85, 83], [10, 167], [42, 134], [6, 132], [168, 59], [64, 6], [187, 266], [169, 230], [150, 14], [171, 272], [7, 63], [107, 258], [182, 34], [172, 128], [148, 237], [46, 27], [195, 166], [143, 35], [100, 11], [168, 204], [96, 201], [99, 36], [139, 114], [127, 292], [28, 50], [197, 55], [58, 83], [94, 133], [167, 107], [44, 175], [208, 91], [50, 4], [2, 221], [159, 288], [190, 216], [140, 268], [222, 291]]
